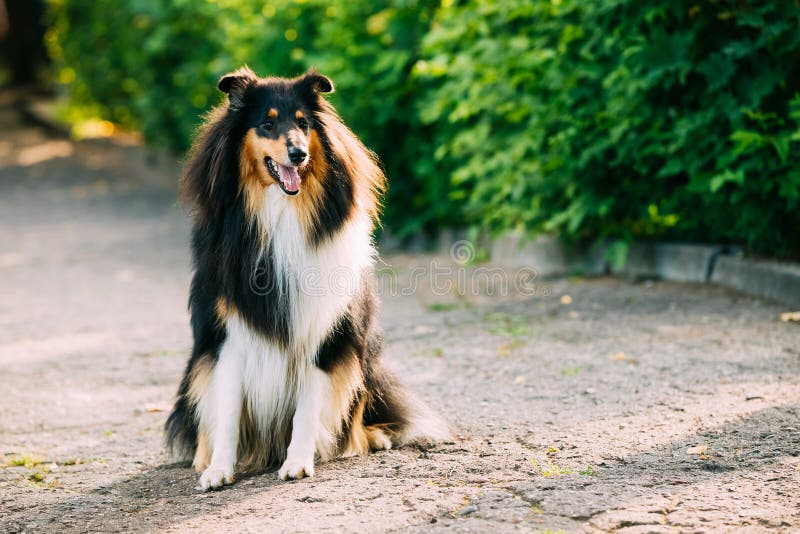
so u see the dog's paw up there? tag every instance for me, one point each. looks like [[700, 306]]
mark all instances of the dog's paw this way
[[214, 477], [199, 465], [296, 468], [378, 441], [202, 455]]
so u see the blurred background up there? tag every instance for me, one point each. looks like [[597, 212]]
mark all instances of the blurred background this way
[[612, 121], [664, 135]]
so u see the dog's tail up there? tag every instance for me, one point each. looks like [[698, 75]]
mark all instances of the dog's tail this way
[[181, 430], [394, 407]]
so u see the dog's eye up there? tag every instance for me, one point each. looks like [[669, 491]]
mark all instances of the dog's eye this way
[[268, 124], [302, 123]]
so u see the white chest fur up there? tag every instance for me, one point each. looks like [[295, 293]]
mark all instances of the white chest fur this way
[[320, 282]]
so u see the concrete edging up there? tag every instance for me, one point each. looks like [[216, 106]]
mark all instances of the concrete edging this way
[[680, 262], [769, 279]]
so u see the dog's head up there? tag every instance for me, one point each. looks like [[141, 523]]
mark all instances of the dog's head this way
[[279, 125]]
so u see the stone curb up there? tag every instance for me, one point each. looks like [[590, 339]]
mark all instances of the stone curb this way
[[546, 254], [763, 278], [680, 262]]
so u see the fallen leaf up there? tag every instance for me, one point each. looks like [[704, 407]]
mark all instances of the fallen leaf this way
[[793, 317], [152, 408], [698, 449], [505, 349], [566, 299]]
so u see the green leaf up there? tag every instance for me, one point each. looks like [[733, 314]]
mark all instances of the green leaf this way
[[718, 181], [617, 254]]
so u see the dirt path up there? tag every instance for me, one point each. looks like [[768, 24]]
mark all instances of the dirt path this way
[[652, 407]]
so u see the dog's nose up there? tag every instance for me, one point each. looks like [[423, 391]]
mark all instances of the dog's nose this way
[[297, 155]]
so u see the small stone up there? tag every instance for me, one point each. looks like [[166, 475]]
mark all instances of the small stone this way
[[467, 510]]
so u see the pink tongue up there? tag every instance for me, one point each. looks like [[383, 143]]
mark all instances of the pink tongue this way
[[289, 177]]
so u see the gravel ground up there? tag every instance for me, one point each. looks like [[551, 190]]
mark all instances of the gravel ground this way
[[587, 405]]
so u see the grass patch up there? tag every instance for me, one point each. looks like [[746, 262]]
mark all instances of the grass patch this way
[[555, 470], [28, 461], [38, 469], [80, 461], [570, 371], [589, 472], [509, 325], [43, 478], [516, 328], [442, 306], [429, 352], [550, 468]]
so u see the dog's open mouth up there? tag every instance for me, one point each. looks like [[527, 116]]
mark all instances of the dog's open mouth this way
[[287, 177]]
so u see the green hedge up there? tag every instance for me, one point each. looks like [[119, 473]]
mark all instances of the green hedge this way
[[594, 120]]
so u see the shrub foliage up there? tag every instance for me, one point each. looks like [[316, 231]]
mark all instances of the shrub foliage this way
[[592, 120]]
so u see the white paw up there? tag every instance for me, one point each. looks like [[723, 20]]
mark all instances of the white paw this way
[[213, 478], [296, 468], [380, 441]]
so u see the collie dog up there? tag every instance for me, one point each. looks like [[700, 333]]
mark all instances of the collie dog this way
[[287, 363]]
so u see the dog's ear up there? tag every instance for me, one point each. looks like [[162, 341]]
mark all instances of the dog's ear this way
[[314, 83], [234, 84]]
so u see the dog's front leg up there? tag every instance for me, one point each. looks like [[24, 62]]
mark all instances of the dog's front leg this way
[[306, 427], [220, 412]]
